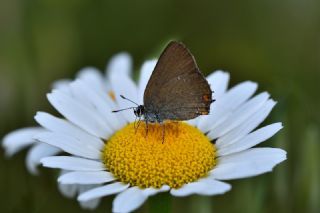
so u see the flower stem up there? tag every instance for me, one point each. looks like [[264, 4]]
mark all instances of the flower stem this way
[[161, 203]]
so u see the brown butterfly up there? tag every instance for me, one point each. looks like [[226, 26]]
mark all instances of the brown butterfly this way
[[177, 90]]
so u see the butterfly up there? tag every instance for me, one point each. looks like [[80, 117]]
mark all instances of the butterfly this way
[[176, 90]]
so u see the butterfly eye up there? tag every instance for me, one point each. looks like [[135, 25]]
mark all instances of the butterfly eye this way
[[137, 111]]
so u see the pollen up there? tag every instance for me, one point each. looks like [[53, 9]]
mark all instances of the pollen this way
[[112, 95], [174, 156]]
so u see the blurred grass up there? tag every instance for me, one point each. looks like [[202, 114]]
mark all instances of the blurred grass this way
[[276, 43]]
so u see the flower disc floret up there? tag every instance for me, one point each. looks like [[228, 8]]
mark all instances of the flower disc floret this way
[[178, 155]]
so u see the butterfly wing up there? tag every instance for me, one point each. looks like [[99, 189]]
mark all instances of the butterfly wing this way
[[177, 90]]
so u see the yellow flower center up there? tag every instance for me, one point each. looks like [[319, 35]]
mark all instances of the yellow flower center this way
[[182, 155]]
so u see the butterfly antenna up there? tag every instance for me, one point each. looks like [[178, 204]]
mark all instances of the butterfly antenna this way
[[128, 100], [123, 109]]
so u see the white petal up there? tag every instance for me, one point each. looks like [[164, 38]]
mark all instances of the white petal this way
[[120, 64], [251, 139], [247, 163], [105, 95], [61, 84], [71, 190], [70, 144], [86, 177], [67, 190], [79, 114], [246, 127], [19, 139], [124, 85], [218, 81], [86, 187], [205, 186], [226, 104], [79, 91], [98, 105], [152, 191], [145, 74], [102, 191], [194, 121], [94, 78], [128, 200], [239, 115], [37, 152], [103, 104], [91, 204], [63, 126], [72, 163], [253, 154]]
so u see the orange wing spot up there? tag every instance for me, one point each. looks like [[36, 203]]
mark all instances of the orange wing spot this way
[[206, 97], [204, 113]]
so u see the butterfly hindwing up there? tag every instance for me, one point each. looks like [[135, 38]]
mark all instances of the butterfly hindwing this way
[[177, 90]]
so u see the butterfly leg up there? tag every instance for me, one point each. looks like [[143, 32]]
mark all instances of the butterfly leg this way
[[163, 130], [147, 127], [175, 122], [137, 126], [162, 124], [134, 124]]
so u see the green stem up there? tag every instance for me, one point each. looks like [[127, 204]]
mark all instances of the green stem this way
[[160, 203]]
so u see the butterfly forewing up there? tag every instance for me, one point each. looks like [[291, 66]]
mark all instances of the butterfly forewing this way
[[177, 90]]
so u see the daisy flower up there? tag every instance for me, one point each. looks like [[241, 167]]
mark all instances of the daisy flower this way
[[109, 156]]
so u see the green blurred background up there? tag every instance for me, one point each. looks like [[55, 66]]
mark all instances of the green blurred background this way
[[275, 43]]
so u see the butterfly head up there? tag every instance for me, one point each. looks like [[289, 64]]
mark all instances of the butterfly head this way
[[139, 111]]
